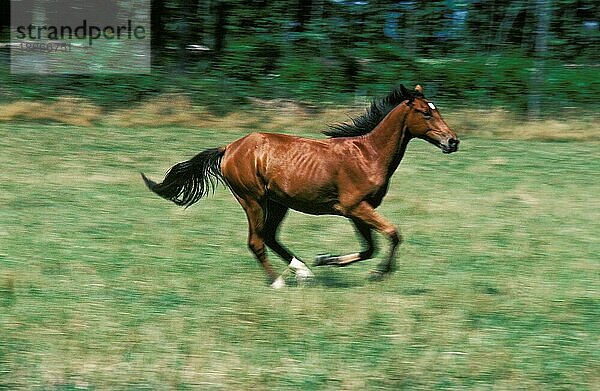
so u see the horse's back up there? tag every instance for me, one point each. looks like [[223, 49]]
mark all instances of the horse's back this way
[[271, 149], [293, 170]]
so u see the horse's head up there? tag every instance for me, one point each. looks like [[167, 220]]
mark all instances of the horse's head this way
[[425, 122]]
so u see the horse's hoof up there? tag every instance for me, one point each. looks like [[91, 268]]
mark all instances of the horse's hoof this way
[[378, 275], [305, 280], [278, 283], [304, 274], [326, 259]]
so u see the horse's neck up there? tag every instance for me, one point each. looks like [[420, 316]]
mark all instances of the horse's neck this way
[[390, 139]]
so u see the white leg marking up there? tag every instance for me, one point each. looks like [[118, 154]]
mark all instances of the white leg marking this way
[[348, 258], [278, 283], [302, 271]]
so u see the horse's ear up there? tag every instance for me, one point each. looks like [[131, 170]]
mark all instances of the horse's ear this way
[[407, 94], [419, 89], [404, 91]]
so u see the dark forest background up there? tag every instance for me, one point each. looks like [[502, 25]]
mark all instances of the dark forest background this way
[[535, 57]]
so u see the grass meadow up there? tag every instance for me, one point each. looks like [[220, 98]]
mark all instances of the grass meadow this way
[[103, 285]]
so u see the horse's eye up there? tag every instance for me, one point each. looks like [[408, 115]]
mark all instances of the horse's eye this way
[[427, 116]]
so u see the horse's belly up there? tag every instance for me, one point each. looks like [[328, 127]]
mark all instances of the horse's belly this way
[[308, 198], [321, 208]]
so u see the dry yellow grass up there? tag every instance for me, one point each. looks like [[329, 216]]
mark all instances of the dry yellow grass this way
[[67, 110], [505, 125], [165, 110], [280, 114]]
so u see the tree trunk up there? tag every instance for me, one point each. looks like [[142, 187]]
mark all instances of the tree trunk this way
[[187, 32], [303, 14], [542, 11], [507, 22], [157, 42], [220, 27]]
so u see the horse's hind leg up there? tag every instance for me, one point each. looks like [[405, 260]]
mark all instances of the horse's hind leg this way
[[366, 235], [275, 214], [256, 241]]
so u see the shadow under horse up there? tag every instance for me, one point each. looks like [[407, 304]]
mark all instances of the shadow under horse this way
[[346, 174]]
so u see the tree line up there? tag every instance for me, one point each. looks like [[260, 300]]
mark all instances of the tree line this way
[[532, 56]]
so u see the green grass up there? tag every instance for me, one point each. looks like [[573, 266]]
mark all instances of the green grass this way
[[105, 286]]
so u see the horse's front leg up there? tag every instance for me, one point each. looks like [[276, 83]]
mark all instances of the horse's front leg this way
[[367, 215], [365, 234]]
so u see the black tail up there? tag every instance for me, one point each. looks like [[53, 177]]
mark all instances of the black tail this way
[[185, 183]]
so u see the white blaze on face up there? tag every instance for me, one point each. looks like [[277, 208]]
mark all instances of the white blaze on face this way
[[431, 105]]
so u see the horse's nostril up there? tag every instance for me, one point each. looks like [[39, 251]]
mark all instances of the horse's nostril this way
[[453, 142]]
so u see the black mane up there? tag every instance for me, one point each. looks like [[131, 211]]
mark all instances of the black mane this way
[[363, 124]]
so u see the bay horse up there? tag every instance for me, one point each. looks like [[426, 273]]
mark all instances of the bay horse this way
[[346, 174]]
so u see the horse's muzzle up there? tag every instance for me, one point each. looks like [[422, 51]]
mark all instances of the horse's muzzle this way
[[452, 146]]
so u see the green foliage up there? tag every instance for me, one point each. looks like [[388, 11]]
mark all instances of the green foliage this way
[[468, 53]]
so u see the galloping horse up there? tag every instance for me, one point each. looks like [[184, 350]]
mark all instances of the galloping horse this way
[[347, 175]]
